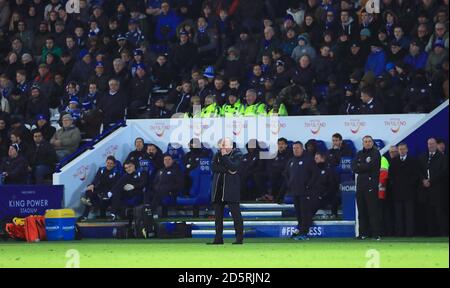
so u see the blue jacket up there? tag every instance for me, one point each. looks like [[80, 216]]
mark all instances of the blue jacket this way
[[417, 62], [376, 62], [171, 20]]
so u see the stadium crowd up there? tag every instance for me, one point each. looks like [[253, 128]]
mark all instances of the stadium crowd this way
[[156, 59]]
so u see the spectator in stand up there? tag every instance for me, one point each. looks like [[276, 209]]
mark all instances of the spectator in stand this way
[[113, 104], [13, 169], [41, 158], [67, 139], [43, 126]]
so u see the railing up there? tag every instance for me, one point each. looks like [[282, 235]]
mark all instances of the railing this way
[[88, 146]]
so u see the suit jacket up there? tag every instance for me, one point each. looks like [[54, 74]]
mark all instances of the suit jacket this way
[[403, 179], [437, 168]]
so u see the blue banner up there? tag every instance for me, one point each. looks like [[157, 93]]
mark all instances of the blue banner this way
[[22, 201]]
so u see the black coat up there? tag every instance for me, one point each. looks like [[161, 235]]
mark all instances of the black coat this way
[[36, 107], [192, 159], [277, 164], [184, 57], [137, 179], [137, 156], [228, 166], [181, 100], [438, 168], [300, 176], [334, 156], [113, 107], [168, 181], [43, 155], [367, 165], [47, 131], [326, 183], [403, 179], [105, 180], [140, 90], [251, 163], [16, 168], [375, 107]]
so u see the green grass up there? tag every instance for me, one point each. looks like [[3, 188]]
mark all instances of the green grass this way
[[258, 253]]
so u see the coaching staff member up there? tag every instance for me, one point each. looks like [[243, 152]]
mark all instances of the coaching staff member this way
[[367, 167], [226, 188], [300, 177]]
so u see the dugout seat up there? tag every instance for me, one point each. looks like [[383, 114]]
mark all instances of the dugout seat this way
[[200, 193], [177, 152], [349, 144], [321, 146]]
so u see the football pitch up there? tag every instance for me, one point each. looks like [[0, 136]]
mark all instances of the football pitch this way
[[256, 253]]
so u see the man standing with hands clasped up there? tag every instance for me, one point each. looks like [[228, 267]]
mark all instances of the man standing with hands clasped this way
[[226, 188], [367, 166]]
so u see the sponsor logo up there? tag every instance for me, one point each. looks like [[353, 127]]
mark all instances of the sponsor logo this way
[[198, 128], [395, 124], [160, 128], [110, 150], [288, 231], [275, 126], [355, 125], [82, 172], [238, 127], [315, 125]]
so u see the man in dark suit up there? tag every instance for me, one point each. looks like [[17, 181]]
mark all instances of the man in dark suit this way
[[403, 180], [300, 178], [226, 189], [433, 174]]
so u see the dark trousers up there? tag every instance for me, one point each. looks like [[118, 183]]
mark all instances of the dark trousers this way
[[41, 172], [436, 221], [388, 217], [305, 209], [117, 206], [219, 208], [404, 218], [370, 213], [97, 203], [259, 189], [276, 182]]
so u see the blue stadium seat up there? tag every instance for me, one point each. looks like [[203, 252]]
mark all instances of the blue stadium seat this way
[[379, 143], [177, 152], [349, 144], [288, 199], [321, 146], [200, 193], [119, 167], [290, 144]]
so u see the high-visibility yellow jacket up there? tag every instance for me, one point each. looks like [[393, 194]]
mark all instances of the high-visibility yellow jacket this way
[[234, 110]]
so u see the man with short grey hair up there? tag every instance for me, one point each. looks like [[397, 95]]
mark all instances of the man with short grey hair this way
[[113, 104], [433, 172], [67, 139], [226, 189]]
